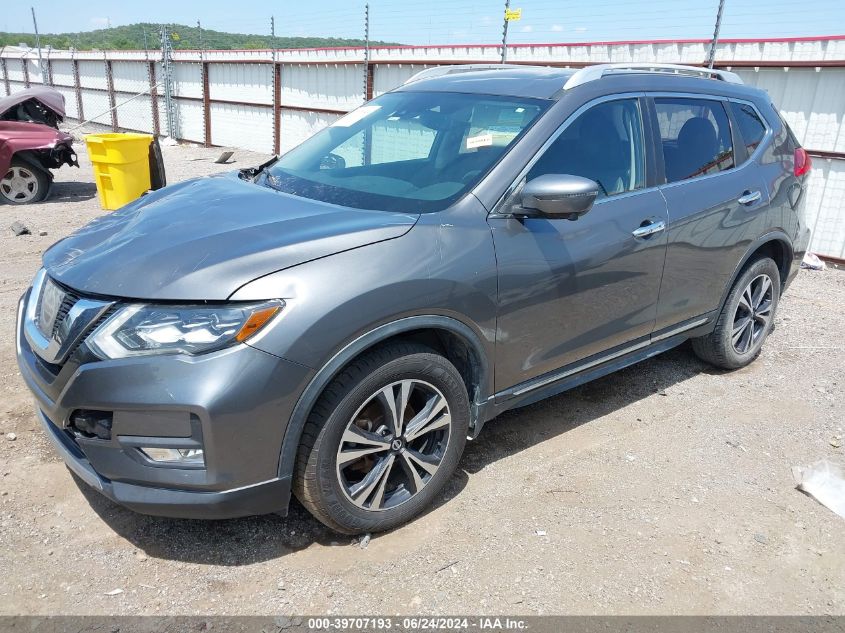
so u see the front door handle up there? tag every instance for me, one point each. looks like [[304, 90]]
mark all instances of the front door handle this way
[[649, 229], [749, 196]]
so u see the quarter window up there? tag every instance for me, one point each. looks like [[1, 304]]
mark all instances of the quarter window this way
[[750, 126], [604, 144], [696, 137]]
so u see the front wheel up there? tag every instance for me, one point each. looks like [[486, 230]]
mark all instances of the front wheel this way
[[383, 439], [746, 318], [24, 183]]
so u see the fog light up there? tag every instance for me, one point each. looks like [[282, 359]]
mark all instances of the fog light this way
[[185, 456]]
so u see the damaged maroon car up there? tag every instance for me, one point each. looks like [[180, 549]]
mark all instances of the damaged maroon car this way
[[31, 144]]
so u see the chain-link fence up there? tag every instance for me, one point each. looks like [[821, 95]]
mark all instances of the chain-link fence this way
[[269, 100]]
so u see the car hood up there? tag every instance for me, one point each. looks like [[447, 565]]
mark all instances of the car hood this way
[[203, 239], [49, 97]]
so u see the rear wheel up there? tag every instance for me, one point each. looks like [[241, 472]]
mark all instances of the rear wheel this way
[[384, 438], [24, 183], [746, 318]]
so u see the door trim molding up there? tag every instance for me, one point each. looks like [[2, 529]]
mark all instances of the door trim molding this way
[[543, 381]]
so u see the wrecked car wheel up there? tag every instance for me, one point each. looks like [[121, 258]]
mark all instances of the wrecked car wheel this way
[[24, 183], [383, 440]]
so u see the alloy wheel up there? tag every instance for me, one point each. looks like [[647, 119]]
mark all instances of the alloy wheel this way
[[19, 184], [393, 445], [753, 314]]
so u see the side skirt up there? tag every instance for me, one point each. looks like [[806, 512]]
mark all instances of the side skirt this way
[[584, 371]]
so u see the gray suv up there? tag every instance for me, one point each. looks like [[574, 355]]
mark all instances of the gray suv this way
[[337, 322]]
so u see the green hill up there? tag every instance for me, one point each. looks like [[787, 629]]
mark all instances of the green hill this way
[[184, 37]]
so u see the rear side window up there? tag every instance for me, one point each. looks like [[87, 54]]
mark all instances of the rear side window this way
[[751, 127], [696, 137]]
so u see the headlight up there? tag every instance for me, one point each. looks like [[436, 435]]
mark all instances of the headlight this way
[[138, 330]]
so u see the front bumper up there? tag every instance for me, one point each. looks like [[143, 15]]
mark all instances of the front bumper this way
[[235, 404], [261, 498]]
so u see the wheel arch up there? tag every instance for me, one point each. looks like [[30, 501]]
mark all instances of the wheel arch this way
[[457, 341], [32, 158], [776, 245]]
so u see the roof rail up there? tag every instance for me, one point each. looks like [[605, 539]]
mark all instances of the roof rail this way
[[439, 71], [592, 73]]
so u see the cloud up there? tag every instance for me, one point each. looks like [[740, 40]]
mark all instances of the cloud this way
[[527, 28], [580, 29], [557, 27], [100, 22]]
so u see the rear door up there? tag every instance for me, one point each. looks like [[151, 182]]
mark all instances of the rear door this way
[[715, 206], [572, 289]]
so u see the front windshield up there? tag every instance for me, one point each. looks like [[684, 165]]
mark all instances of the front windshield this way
[[405, 151]]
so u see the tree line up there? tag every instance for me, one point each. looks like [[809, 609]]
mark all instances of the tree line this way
[[147, 35]]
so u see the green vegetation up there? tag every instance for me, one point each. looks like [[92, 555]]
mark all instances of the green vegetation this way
[[184, 37]]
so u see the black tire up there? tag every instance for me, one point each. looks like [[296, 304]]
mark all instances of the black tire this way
[[718, 348], [39, 184], [317, 480], [158, 179]]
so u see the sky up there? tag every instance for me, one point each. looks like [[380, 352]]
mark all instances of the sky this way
[[449, 22]]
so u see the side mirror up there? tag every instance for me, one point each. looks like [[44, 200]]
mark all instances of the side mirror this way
[[559, 196], [332, 161]]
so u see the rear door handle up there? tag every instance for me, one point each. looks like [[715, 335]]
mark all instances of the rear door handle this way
[[749, 196], [649, 229]]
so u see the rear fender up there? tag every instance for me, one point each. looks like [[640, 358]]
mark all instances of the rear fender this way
[[773, 236]]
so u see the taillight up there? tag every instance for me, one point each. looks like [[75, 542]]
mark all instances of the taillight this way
[[803, 164]]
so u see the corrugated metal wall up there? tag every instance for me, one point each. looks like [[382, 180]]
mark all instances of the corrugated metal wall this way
[[230, 98]]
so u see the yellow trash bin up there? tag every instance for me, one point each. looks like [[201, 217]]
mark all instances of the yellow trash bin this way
[[121, 166]]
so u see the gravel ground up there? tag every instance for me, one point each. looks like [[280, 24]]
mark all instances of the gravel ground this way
[[664, 488]]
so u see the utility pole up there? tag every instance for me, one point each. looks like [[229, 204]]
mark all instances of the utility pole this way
[[273, 31], [366, 50], [144, 29], [711, 56], [167, 68], [199, 27], [505, 33], [38, 46]]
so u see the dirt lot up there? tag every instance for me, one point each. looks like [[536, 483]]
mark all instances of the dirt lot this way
[[665, 488]]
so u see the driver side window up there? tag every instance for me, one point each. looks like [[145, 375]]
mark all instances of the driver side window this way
[[604, 144]]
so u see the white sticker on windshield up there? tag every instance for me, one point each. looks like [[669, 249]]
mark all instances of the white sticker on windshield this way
[[481, 140], [356, 115]]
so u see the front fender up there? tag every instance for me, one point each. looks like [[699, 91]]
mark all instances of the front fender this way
[[309, 397], [441, 275]]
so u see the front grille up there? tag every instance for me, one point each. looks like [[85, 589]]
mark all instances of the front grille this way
[[93, 327], [65, 329], [67, 303]]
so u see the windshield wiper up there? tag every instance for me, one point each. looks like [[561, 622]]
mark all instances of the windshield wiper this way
[[250, 173]]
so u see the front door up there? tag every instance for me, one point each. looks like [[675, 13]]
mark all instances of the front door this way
[[571, 289]]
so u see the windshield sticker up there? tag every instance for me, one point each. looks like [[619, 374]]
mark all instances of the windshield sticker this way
[[356, 115], [482, 140]]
